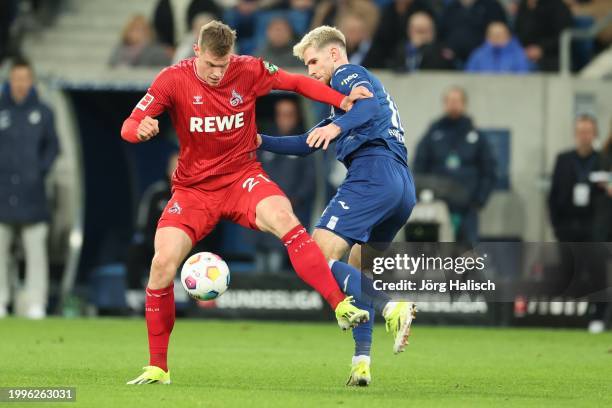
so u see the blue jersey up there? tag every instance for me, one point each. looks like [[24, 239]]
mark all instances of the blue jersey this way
[[384, 129]]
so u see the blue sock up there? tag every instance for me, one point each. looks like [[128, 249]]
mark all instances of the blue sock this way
[[362, 334], [354, 283]]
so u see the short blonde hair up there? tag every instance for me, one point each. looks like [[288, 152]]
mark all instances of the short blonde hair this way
[[319, 38], [217, 37]]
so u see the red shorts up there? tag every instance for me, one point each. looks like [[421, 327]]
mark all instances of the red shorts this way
[[197, 211]]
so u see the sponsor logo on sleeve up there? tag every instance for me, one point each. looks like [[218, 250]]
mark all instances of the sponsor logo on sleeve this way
[[349, 78], [271, 68], [145, 102]]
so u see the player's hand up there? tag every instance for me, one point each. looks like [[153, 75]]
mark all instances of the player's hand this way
[[323, 136], [147, 128], [258, 140], [361, 92]]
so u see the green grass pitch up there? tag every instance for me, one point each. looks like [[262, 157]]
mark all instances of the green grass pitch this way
[[270, 364]]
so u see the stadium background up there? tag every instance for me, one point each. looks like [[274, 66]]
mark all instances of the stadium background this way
[[98, 180]]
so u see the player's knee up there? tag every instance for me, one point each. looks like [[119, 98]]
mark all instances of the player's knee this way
[[284, 219], [163, 268]]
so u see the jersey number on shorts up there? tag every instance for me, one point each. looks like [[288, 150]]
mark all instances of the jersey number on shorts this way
[[251, 182]]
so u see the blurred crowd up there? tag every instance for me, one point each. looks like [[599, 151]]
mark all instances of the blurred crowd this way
[[492, 36], [505, 36]]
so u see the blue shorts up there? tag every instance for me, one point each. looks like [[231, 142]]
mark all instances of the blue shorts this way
[[373, 203]]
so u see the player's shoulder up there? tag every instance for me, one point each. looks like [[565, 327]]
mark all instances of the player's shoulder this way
[[246, 62], [178, 69], [348, 75], [350, 69]]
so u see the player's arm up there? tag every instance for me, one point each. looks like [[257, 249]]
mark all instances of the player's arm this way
[[289, 145], [268, 76], [141, 125], [363, 110], [317, 91]]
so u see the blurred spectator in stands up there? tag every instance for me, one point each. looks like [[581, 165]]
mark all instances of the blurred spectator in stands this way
[[296, 176], [538, 25], [138, 47], [8, 11], [453, 149], [463, 24], [172, 26], [597, 10], [391, 32], [243, 18], [571, 196], [198, 7], [300, 14], [421, 51], [329, 12], [500, 54], [358, 36], [185, 48], [28, 148], [152, 204], [163, 23], [278, 47], [603, 203], [572, 204]]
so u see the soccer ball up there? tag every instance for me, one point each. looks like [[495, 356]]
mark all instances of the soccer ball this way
[[205, 276]]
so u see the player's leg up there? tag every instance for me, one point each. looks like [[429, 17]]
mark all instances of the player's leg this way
[[275, 215], [348, 277], [362, 335], [171, 247], [188, 217], [372, 206], [398, 315], [6, 238], [34, 237], [257, 202]]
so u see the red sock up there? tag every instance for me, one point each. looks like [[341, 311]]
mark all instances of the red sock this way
[[311, 266], [159, 313]]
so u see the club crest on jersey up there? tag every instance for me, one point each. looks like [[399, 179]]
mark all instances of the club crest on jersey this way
[[236, 98], [197, 100], [145, 102], [270, 67], [175, 209]]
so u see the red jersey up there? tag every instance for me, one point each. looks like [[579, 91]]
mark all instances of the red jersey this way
[[216, 125]]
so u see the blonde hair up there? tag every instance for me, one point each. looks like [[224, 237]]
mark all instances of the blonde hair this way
[[319, 38]]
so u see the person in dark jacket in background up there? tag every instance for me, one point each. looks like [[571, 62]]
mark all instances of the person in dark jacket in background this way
[[455, 150], [538, 25], [603, 203], [295, 177], [570, 201], [571, 205], [28, 148], [421, 51], [463, 24], [391, 31], [500, 54]]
